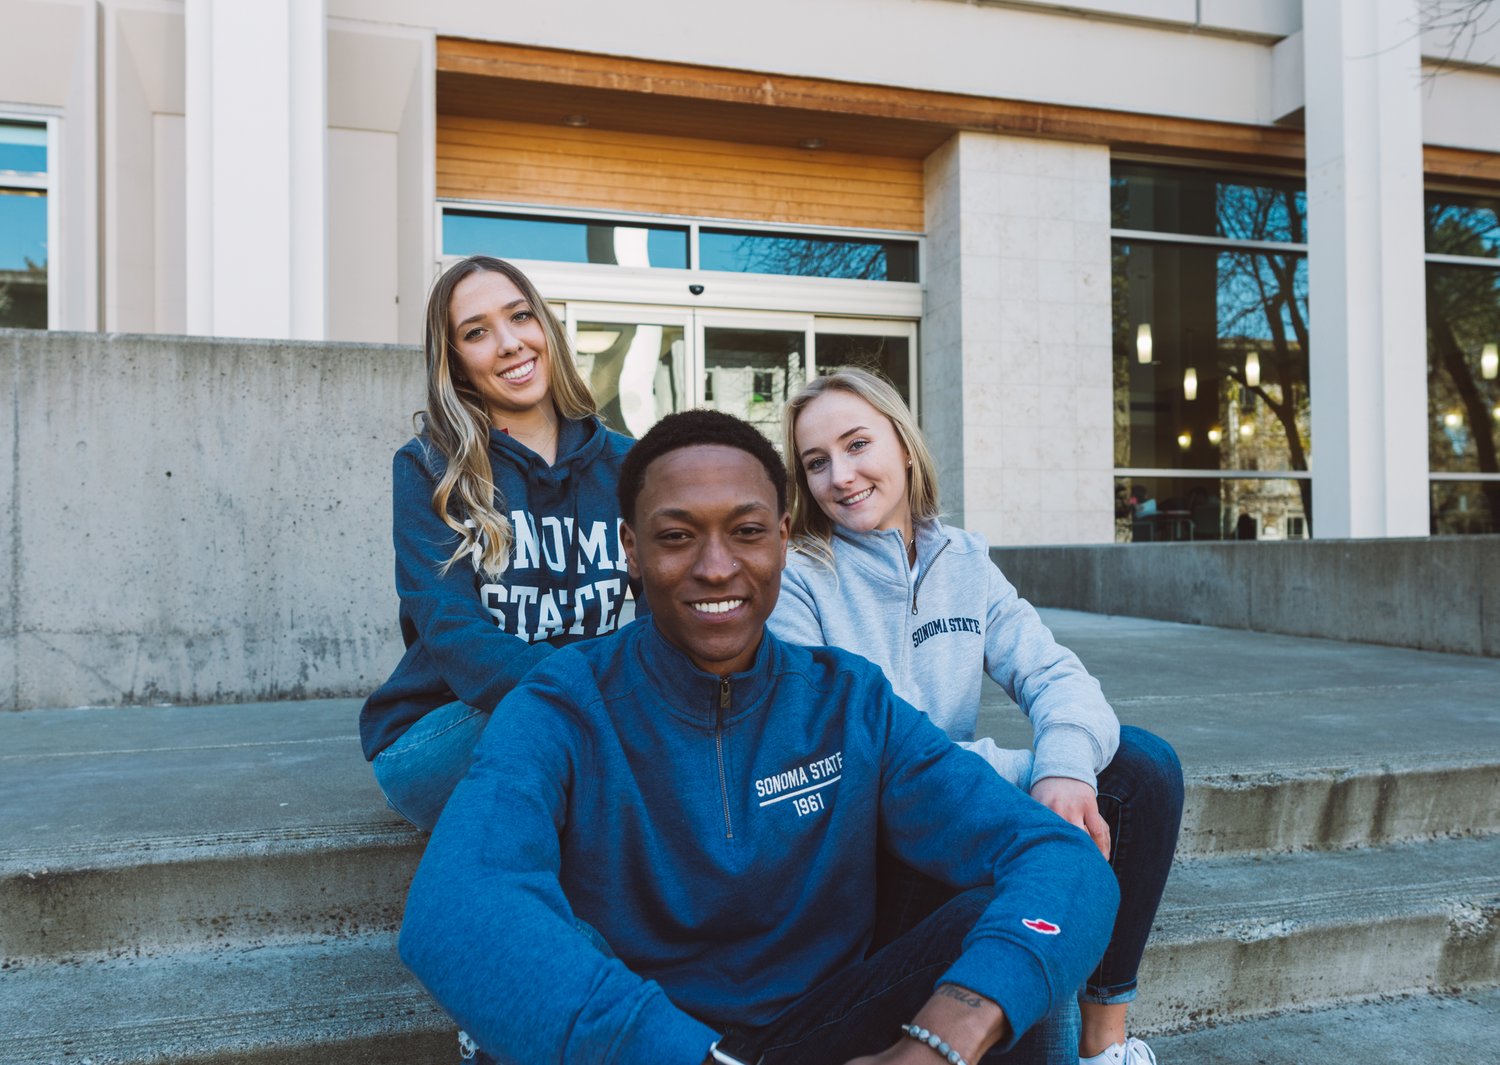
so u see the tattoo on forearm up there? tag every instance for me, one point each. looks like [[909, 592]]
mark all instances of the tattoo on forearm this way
[[958, 994]]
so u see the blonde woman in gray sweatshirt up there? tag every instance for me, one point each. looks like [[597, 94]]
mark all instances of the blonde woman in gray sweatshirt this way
[[874, 571]]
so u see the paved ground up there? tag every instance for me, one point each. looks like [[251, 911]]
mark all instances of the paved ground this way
[[1230, 700]]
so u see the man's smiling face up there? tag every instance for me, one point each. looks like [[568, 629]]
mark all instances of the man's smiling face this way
[[708, 543]]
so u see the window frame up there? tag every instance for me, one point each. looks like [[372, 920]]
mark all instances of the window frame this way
[[1157, 236], [1481, 261], [48, 184]]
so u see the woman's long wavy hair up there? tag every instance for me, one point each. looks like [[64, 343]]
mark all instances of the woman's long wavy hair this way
[[812, 530], [457, 422]]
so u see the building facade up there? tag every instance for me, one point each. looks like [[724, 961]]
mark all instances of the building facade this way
[[1147, 269]]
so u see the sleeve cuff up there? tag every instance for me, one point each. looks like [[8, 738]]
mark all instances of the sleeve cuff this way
[[1006, 974], [1066, 751]]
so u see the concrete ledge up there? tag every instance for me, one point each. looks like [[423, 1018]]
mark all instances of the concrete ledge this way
[[1433, 594], [197, 520]]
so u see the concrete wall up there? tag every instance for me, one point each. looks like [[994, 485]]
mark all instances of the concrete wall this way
[[197, 520], [1016, 337], [1437, 594]]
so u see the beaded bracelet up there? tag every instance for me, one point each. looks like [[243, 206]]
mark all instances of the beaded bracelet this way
[[922, 1035]]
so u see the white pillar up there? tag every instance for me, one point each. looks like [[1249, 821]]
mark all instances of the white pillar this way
[[1017, 391], [257, 168], [1368, 375]]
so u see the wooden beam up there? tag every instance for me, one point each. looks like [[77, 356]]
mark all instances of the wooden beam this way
[[939, 113]]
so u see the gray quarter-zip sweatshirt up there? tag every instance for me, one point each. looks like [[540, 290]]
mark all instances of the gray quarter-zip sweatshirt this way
[[938, 631]]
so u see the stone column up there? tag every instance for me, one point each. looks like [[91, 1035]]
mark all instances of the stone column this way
[[1368, 375], [1016, 373], [256, 146]]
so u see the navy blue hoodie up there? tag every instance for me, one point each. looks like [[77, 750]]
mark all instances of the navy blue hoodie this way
[[470, 637], [723, 842]]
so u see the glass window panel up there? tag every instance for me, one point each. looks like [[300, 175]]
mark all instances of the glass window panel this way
[[23, 259], [635, 371], [1206, 508], [23, 147], [752, 373], [1208, 204], [1210, 358], [803, 255], [1463, 368], [1463, 225], [1462, 508], [563, 240], [886, 356]]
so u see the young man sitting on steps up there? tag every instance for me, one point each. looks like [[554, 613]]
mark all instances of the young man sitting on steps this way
[[665, 850]]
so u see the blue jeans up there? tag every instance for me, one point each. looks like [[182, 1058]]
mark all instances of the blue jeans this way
[[420, 770], [1140, 798]]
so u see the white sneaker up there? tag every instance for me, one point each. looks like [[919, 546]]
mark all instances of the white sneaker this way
[[1130, 1052]]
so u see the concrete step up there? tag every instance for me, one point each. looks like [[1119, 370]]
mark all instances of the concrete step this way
[[1237, 938], [1454, 1029], [146, 829], [313, 1003], [1244, 936], [1291, 743], [163, 827]]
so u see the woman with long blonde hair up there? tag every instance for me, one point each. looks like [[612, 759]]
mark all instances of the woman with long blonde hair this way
[[873, 570], [506, 528]]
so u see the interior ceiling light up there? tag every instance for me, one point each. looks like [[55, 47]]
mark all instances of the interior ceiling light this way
[[812, 144], [576, 120], [1489, 362], [1184, 440], [596, 341], [1190, 383], [1252, 370], [1453, 419], [1215, 435], [1143, 343]]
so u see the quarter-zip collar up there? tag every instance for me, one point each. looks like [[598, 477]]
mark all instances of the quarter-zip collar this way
[[881, 555], [696, 696]]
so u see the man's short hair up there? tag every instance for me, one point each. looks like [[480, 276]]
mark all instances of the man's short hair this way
[[694, 428]]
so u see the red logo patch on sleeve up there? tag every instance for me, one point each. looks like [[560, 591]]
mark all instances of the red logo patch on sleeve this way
[[1037, 924]]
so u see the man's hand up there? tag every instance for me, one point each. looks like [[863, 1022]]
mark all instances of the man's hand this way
[[969, 1022], [1075, 802]]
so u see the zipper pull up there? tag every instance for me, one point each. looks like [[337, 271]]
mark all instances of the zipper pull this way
[[723, 693]]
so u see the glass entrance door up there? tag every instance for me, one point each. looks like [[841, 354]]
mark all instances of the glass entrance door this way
[[644, 362], [635, 361], [752, 364]]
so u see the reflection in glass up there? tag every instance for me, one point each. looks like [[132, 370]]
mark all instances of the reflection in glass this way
[[1149, 509], [1238, 321], [1463, 225], [803, 255], [886, 356], [1464, 507], [1205, 203], [563, 240], [635, 371], [23, 147], [23, 259], [752, 373], [1463, 393]]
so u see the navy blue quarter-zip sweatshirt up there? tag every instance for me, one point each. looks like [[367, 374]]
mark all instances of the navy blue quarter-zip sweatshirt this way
[[472, 637], [720, 833]]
